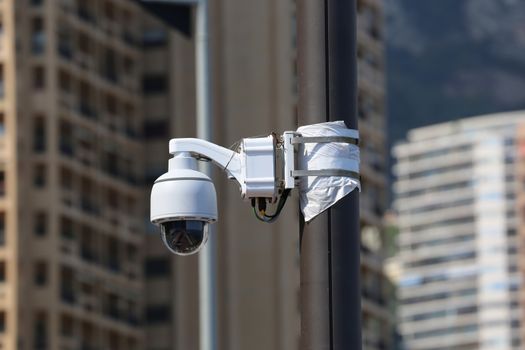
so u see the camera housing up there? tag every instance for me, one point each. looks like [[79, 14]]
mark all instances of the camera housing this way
[[183, 204]]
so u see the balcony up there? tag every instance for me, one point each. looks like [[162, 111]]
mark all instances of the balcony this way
[[67, 295], [67, 149], [87, 111], [87, 255], [86, 16]]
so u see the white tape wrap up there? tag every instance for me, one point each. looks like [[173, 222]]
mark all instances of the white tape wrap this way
[[318, 193]]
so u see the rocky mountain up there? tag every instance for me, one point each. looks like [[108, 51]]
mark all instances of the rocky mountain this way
[[448, 59]]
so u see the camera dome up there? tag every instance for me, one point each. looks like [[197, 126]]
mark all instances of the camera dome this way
[[184, 237], [183, 194]]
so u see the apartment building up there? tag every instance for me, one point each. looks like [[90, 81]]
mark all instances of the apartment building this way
[[71, 162], [376, 288], [90, 92], [455, 195], [520, 210], [255, 93]]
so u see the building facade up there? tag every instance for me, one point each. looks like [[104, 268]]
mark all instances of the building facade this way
[[72, 166], [90, 93], [455, 194], [255, 93]]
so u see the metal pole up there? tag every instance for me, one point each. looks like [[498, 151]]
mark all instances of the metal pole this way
[[207, 278], [330, 246]]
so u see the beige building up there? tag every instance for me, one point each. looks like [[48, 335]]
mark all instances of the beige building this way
[[520, 211], [71, 168], [456, 193], [91, 91], [258, 264]]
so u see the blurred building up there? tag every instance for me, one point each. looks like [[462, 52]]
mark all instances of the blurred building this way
[[71, 207], [255, 93], [455, 194], [377, 289], [520, 208], [91, 90]]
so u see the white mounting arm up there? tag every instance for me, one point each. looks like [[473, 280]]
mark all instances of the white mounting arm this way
[[253, 167], [223, 157]]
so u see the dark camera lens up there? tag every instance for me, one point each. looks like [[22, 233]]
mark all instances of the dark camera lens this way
[[184, 237]]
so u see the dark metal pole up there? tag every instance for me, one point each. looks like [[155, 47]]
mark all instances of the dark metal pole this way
[[330, 246]]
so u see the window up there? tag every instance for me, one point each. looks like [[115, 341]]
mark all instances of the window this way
[[64, 42], [157, 267], [66, 139], [66, 325], [38, 37], [2, 183], [40, 273], [40, 175], [2, 271], [39, 78], [2, 85], [158, 314], [109, 67], [2, 228], [41, 224], [64, 81], [40, 331], [156, 129], [113, 199], [37, 2], [113, 252], [154, 37], [39, 134], [2, 124], [66, 179], [2, 321], [67, 285], [154, 84], [66, 228]]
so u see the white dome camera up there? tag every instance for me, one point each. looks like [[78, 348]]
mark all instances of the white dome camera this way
[[183, 204], [323, 159]]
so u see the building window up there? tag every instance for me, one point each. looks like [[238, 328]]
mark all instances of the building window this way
[[39, 78], [113, 253], [158, 314], [154, 37], [154, 84], [64, 42], [64, 82], [2, 228], [156, 129], [38, 37], [109, 66], [2, 183], [2, 83], [41, 224], [66, 139], [40, 331], [2, 271], [40, 175], [2, 322], [37, 2], [67, 325], [67, 229], [39, 135], [2, 124], [67, 285], [66, 179], [157, 267], [40, 273]]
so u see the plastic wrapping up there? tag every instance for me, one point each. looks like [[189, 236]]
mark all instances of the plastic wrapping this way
[[318, 193]]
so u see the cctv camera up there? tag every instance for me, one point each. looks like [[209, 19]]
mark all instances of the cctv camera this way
[[183, 204]]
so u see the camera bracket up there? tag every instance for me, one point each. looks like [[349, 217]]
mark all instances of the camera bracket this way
[[322, 160]]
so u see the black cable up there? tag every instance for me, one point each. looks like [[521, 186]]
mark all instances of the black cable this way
[[274, 216]]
